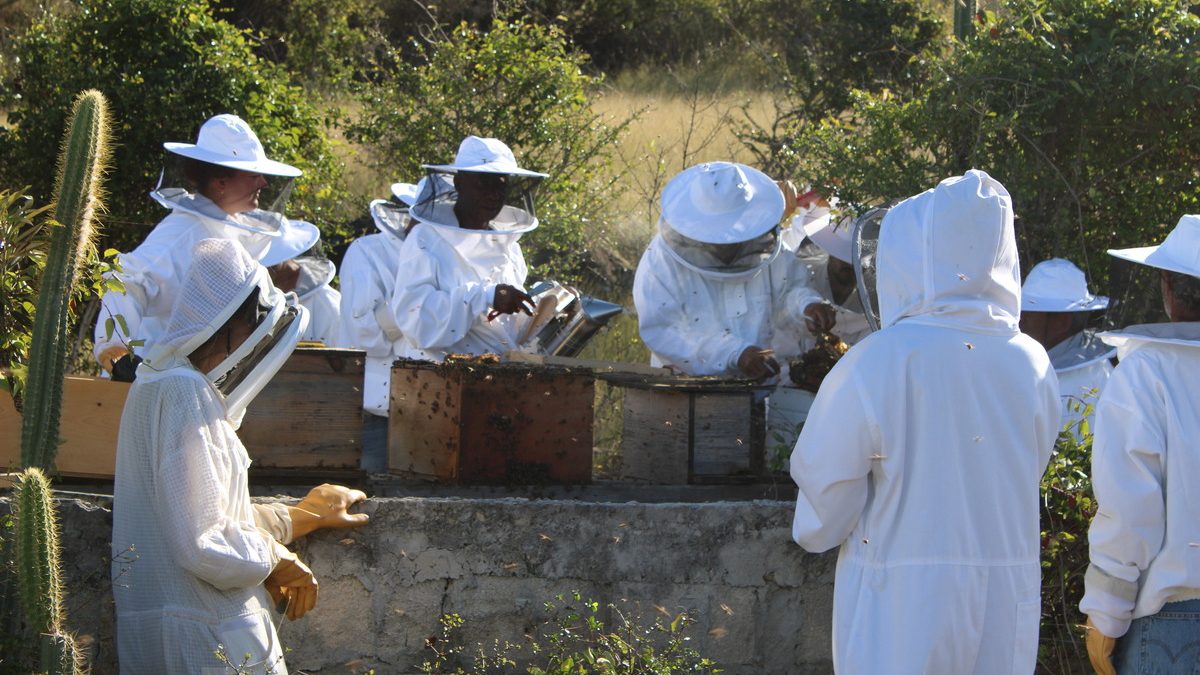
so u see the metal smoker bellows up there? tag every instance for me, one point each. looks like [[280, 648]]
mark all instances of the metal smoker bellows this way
[[575, 319]]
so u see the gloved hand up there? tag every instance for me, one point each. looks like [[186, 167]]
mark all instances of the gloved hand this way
[[325, 507], [758, 363], [821, 317], [1100, 649], [291, 580], [510, 300], [124, 369]]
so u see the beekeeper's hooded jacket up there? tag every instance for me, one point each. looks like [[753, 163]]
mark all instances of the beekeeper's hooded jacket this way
[[153, 272], [924, 449], [449, 280], [1145, 539]]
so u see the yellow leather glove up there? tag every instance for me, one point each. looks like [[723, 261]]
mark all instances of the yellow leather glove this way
[[1100, 648], [325, 507], [292, 580]]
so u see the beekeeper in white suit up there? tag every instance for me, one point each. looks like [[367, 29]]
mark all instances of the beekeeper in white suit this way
[[194, 564], [712, 290], [215, 193], [1055, 308], [831, 268], [462, 274], [1143, 583], [370, 270], [923, 451], [310, 277]]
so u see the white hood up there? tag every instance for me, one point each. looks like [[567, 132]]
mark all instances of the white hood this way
[[948, 256]]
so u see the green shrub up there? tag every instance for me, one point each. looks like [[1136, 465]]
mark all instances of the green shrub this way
[[575, 639], [323, 43], [1067, 510], [1084, 109], [165, 66], [23, 244], [518, 82]]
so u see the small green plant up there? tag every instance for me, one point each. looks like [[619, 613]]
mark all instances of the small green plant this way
[[23, 245], [575, 640], [1067, 509]]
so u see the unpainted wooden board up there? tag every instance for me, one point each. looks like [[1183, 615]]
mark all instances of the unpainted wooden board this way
[[654, 440]]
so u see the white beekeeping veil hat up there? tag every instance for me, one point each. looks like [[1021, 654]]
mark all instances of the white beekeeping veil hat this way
[[1057, 285], [721, 219], [223, 277]]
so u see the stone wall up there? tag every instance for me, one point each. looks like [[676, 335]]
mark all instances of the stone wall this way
[[762, 605]]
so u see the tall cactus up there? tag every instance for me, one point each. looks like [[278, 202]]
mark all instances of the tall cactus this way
[[40, 579], [39, 576], [81, 166]]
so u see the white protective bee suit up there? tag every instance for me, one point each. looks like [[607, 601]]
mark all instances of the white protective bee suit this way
[[153, 271], [697, 314], [314, 279], [1144, 542], [369, 273], [831, 239], [323, 301], [450, 278], [449, 274], [190, 552], [923, 451]]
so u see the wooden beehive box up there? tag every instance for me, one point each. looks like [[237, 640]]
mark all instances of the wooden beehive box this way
[[679, 430], [471, 423], [308, 420], [91, 418]]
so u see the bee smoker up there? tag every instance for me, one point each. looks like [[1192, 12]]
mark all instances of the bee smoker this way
[[574, 321]]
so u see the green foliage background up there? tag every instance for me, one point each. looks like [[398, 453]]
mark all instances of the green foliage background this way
[[519, 82], [165, 66], [1084, 110]]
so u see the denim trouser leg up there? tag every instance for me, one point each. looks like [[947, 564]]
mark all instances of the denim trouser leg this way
[[1167, 643]]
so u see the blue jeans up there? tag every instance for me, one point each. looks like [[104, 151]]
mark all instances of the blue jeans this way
[[1167, 643]]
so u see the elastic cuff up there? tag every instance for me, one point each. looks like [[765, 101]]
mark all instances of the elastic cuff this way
[[1113, 628]]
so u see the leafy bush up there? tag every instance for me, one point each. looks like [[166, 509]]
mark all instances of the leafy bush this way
[[574, 640], [323, 43], [165, 67], [1067, 510], [523, 84], [1084, 109], [23, 245]]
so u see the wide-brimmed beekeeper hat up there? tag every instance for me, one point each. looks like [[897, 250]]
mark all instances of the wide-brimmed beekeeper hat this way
[[1057, 285], [1180, 252], [226, 140], [722, 203], [484, 155], [295, 237], [835, 237]]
